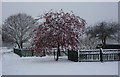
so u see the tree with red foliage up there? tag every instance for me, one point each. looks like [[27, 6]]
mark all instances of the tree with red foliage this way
[[58, 30]]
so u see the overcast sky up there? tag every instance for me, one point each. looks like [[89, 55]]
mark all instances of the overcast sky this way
[[92, 12]]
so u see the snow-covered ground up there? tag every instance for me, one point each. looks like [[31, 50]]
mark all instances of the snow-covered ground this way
[[0, 61], [12, 64]]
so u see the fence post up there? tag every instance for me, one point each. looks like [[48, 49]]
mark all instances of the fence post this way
[[78, 56], [32, 52], [68, 55], [20, 52], [118, 56], [101, 55]]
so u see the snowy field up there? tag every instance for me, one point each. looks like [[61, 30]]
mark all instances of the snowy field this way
[[0, 62], [12, 64]]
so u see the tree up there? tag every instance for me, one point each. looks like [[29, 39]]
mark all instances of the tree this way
[[17, 28], [117, 34], [6, 38], [89, 43], [58, 30], [102, 31]]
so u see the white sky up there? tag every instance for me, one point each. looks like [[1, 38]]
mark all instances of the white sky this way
[[92, 12], [60, 0]]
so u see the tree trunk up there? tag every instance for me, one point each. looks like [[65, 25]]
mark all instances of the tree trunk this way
[[104, 41], [21, 44], [58, 52], [18, 44]]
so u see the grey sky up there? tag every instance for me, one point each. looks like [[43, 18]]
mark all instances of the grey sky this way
[[92, 12]]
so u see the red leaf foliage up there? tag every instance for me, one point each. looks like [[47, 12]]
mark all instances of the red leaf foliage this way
[[56, 28]]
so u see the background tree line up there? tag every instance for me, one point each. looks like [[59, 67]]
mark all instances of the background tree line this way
[[102, 32], [18, 29]]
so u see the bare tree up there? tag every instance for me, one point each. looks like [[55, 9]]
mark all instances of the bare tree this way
[[17, 28], [117, 34], [89, 43], [102, 31]]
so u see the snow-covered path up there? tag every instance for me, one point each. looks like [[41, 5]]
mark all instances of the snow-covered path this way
[[14, 65]]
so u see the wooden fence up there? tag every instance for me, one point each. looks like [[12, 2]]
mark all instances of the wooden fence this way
[[29, 53], [18, 52], [101, 55], [98, 55], [23, 52], [73, 56], [26, 53]]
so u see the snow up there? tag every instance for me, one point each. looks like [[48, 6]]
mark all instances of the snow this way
[[5, 49], [12, 64], [0, 62]]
